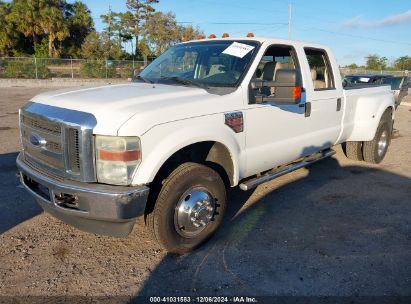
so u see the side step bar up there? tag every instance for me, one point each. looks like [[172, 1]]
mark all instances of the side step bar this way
[[308, 160]]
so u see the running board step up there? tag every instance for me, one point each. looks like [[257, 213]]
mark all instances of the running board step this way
[[308, 160]]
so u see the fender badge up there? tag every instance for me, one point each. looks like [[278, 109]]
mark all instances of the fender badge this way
[[235, 121]]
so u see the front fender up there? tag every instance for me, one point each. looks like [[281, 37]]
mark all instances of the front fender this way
[[162, 141]]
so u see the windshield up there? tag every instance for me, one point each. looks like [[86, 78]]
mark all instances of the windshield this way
[[203, 64]]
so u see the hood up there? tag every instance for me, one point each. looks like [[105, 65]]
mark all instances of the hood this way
[[113, 105]]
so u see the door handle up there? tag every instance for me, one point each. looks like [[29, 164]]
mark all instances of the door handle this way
[[338, 104]]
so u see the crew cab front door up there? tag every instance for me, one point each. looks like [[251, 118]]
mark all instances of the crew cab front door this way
[[275, 133], [278, 134]]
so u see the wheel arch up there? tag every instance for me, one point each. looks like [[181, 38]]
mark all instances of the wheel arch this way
[[212, 153], [366, 128]]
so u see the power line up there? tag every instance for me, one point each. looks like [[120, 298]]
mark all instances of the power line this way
[[280, 24], [357, 36], [220, 23], [273, 29], [231, 23]]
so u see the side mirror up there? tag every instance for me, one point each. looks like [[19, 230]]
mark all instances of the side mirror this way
[[137, 71], [287, 84], [344, 83]]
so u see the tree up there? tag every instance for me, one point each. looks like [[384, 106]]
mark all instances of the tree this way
[[189, 32], [117, 28], [111, 19], [403, 63], [53, 23], [80, 24], [24, 16], [28, 24], [140, 12], [375, 62], [161, 31], [9, 37], [122, 27], [92, 47], [41, 48], [143, 49], [352, 66], [53, 28], [96, 46]]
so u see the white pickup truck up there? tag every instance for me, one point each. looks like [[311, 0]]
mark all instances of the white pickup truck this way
[[205, 115]]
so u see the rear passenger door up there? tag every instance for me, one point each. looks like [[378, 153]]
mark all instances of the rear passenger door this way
[[324, 99]]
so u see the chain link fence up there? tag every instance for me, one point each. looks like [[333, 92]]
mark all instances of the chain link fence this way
[[348, 71], [46, 68]]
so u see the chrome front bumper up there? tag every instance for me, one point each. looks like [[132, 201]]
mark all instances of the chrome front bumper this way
[[96, 208]]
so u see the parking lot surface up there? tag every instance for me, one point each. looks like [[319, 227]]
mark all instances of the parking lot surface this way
[[338, 227]]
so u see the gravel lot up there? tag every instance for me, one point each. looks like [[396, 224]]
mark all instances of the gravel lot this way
[[336, 228]]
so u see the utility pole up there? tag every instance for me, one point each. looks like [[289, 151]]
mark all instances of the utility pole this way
[[289, 19]]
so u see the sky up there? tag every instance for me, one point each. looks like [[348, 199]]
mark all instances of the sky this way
[[353, 29]]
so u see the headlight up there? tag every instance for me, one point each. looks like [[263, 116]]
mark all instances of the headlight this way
[[117, 159]]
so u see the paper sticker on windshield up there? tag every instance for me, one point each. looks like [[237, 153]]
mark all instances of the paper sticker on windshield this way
[[238, 49]]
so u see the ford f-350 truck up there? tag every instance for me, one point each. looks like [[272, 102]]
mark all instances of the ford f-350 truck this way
[[205, 115]]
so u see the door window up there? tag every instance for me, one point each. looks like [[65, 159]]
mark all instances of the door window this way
[[320, 67], [276, 57]]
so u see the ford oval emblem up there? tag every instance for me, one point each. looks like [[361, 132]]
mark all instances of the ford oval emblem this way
[[37, 141]]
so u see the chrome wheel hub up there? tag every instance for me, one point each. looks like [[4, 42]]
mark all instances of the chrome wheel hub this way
[[382, 143], [194, 211]]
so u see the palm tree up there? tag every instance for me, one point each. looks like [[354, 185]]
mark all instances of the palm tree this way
[[52, 23], [24, 15]]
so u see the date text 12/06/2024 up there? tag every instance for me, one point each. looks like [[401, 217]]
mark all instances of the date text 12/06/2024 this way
[[239, 299]]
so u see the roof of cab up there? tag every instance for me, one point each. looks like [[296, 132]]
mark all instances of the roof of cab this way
[[263, 40]]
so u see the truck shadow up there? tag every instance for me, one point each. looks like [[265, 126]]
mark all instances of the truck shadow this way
[[16, 204], [332, 230]]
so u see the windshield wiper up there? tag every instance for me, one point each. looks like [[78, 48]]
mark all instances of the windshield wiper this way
[[144, 79], [185, 81]]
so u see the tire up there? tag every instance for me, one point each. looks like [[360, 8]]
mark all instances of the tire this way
[[374, 151], [191, 195], [353, 150]]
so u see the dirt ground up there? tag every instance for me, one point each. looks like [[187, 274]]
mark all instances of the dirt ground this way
[[336, 228]]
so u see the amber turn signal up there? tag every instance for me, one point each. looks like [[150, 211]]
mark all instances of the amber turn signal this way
[[124, 156]]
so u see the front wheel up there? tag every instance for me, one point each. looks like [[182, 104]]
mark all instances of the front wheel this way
[[189, 208]]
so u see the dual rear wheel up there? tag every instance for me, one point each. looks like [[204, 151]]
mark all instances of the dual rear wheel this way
[[372, 151]]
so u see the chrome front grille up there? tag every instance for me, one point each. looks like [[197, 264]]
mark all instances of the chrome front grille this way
[[58, 142], [73, 150], [52, 146], [33, 164], [33, 131], [42, 125]]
